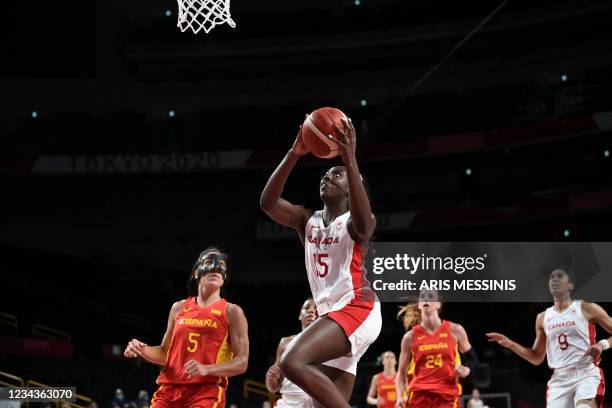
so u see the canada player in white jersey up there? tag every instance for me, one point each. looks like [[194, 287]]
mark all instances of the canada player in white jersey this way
[[565, 335], [292, 395], [322, 360]]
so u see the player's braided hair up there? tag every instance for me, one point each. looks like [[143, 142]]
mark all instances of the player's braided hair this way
[[366, 187], [569, 272]]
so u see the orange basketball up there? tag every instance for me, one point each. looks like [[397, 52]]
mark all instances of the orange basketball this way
[[317, 126]]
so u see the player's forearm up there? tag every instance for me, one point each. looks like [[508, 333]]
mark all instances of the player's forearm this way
[[236, 366], [400, 385], [527, 353], [372, 401], [155, 354], [361, 212], [276, 184]]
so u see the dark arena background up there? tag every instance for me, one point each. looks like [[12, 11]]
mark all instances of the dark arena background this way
[[128, 146]]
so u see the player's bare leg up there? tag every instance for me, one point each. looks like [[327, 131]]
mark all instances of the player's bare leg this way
[[344, 380], [587, 403], [324, 340]]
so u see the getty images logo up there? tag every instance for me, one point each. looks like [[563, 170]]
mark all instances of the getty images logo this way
[[413, 264]]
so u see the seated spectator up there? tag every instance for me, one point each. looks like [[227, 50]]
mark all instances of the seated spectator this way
[[475, 401], [119, 400], [143, 399]]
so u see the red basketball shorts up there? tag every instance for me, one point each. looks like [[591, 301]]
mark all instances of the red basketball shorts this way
[[189, 395], [428, 399]]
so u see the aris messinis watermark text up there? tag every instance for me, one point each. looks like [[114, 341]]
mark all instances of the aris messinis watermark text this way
[[486, 271]]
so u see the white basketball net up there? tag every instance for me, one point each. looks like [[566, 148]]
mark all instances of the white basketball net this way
[[203, 14]]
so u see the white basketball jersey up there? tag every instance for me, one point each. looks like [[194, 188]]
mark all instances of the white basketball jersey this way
[[568, 336], [334, 263], [477, 404], [289, 388]]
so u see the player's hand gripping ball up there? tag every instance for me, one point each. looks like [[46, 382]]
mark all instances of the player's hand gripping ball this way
[[317, 128]]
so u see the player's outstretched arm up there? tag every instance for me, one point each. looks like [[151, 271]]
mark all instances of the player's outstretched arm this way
[[155, 354], [596, 314], [362, 220], [239, 339], [274, 376], [402, 368], [371, 398], [271, 202], [536, 354], [465, 348]]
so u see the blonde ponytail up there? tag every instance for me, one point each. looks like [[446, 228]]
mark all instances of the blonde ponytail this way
[[409, 315]]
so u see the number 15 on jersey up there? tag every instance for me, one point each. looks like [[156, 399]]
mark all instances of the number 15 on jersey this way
[[321, 264]]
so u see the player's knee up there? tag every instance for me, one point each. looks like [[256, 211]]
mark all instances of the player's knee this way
[[291, 365], [286, 365]]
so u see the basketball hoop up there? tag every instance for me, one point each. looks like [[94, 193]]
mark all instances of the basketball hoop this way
[[203, 14]]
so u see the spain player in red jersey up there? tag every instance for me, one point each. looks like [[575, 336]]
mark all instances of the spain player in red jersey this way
[[433, 345], [206, 342], [382, 391]]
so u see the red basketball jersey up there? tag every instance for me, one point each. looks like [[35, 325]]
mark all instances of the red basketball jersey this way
[[435, 357], [386, 391], [200, 334]]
